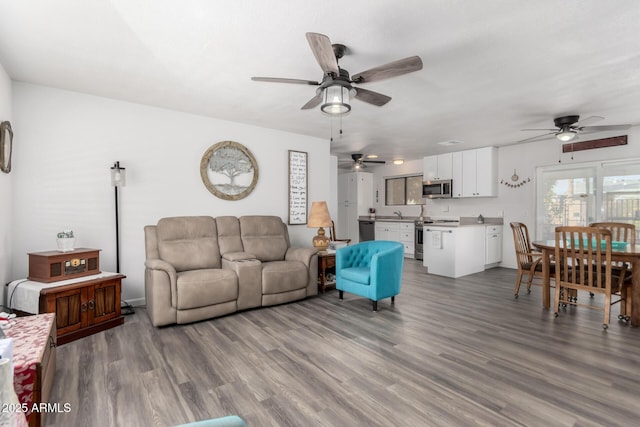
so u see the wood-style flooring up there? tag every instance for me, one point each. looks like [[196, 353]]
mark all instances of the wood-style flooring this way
[[450, 352]]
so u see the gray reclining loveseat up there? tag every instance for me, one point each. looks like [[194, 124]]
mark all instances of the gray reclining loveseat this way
[[200, 267]]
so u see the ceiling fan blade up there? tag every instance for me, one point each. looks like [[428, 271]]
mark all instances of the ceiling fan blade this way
[[323, 51], [280, 80], [372, 97], [374, 161], [313, 102], [588, 120], [603, 128], [538, 137], [540, 130], [392, 69]]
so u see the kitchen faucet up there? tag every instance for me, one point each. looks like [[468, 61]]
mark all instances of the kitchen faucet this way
[[398, 213]]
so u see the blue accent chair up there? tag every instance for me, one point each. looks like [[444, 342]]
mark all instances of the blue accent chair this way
[[371, 269]]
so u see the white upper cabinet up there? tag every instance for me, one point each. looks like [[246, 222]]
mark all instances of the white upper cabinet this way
[[438, 167], [475, 173]]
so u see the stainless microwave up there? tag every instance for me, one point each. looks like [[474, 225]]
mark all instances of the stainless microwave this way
[[440, 189]]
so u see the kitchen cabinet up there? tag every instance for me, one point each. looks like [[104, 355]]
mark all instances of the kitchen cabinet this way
[[402, 232], [355, 197], [438, 167], [388, 231], [493, 245], [475, 173], [454, 251], [407, 238]]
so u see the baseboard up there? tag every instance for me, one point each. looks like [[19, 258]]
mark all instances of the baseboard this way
[[136, 302]]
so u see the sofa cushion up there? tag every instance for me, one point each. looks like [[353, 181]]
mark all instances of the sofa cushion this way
[[357, 274], [283, 276], [264, 236], [229, 234], [200, 288], [189, 243]]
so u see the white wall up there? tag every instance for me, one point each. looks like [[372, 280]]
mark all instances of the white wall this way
[[332, 202], [68, 142], [514, 204], [5, 189]]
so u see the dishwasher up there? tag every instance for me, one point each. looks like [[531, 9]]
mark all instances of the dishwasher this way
[[367, 230]]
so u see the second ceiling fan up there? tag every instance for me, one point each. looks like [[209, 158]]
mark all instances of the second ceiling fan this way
[[568, 128], [358, 162], [337, 87]]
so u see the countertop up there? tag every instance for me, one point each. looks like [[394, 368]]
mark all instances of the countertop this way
[[389, 218], [464, 220]]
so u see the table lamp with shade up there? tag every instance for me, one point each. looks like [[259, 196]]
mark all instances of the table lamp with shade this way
[[318, 218]]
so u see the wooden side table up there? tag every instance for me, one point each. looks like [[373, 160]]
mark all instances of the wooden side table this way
[[325, 260]]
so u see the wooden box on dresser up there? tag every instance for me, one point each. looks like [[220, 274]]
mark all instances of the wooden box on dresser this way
[[84, 308]]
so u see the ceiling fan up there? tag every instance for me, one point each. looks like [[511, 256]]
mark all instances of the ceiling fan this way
[[358, 163], [336, 87], [568, 128]]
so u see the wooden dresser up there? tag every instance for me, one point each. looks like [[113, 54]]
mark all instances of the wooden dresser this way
[[34, 362], [83, 305], [84, 308]]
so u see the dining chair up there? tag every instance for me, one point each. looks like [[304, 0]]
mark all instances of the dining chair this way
[[621, 232], [529, 261], [332, 234], [583, 263]]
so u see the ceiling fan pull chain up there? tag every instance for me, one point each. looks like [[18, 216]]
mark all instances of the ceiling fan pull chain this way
[[572, 151], [331, 121], [340, 127]]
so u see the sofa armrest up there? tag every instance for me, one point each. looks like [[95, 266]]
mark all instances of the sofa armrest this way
[[171, 276], [238, 256], [303, 255], [309, 257]]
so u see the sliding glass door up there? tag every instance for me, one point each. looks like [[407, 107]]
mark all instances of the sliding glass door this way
[[621, 193], [584, 194], [565, 197]]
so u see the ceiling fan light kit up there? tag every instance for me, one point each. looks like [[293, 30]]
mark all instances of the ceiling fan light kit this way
[[566, 134], [336, 100]]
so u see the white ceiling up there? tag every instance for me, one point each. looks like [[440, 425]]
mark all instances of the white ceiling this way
[[491, 67]]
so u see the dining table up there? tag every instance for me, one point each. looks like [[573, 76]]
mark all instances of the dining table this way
[[629, 254]]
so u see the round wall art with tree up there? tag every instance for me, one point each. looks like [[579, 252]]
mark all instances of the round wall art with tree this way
[[229, 170]]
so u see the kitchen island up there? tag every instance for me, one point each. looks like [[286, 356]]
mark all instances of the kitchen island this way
[[458, 248]]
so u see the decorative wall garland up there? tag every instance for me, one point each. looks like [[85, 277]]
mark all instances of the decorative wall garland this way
[[514, 181]]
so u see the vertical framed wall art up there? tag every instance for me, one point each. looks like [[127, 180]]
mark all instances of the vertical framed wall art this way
[[297, 187]]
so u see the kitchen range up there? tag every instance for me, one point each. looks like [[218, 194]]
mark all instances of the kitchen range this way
[[419, 233]]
